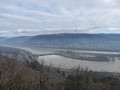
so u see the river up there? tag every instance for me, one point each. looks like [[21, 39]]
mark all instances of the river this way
[[68, 63]]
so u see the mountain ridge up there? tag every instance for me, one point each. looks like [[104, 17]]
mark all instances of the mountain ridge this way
[[69, 40]]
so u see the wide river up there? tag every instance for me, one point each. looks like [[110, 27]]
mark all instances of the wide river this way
[[68, 63]]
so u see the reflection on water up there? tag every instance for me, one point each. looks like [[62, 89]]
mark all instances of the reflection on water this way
[[67, 63]]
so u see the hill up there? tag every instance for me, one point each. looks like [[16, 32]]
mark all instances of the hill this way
[[109, 42]]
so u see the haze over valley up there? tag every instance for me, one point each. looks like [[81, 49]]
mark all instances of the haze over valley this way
[[82, 49], [59, 44]]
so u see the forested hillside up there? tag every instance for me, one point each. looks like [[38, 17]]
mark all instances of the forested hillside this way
[[108, 42]]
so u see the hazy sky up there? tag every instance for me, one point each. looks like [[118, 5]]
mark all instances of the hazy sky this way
[[30, 17]]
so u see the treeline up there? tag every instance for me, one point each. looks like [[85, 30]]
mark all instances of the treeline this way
[[88, 80], [84, 56]]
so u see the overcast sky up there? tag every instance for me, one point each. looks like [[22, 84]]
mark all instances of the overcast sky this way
[[33, 17]]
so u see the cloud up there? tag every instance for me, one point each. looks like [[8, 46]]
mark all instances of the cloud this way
[[25, 30], [54, 16], [4, 32]]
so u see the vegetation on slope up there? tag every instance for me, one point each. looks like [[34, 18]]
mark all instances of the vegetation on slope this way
[[18, 75]]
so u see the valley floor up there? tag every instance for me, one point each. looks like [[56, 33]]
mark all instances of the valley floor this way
[[24, 74]]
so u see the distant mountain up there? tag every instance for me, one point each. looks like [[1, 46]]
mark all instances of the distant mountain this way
[[16, 40], [2, 39], [70, 41]]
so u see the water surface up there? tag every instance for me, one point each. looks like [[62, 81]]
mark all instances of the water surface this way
[[68, 63]]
